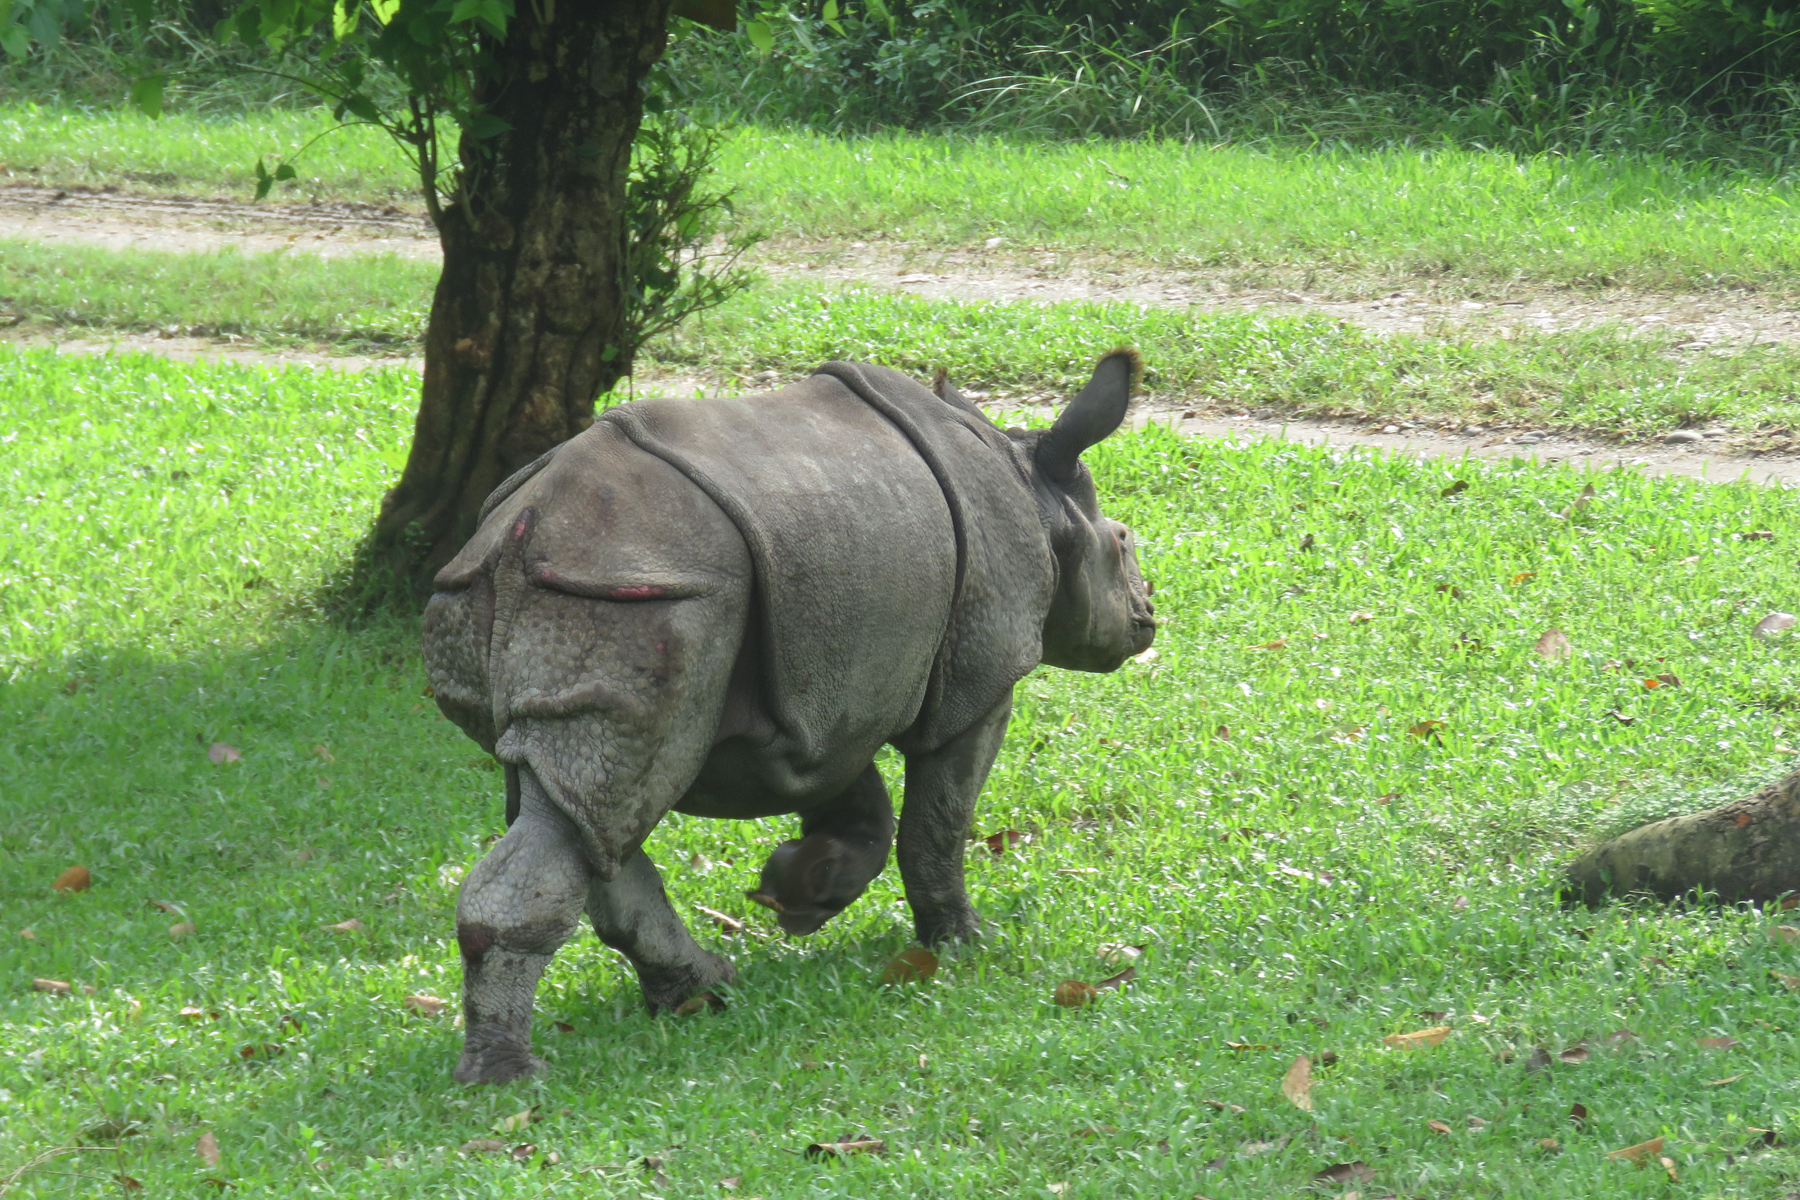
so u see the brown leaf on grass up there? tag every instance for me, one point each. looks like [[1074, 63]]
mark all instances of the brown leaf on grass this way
[[1791, 982], [1426, 729], [55, 987], [1575, 1055], [1787, 935], [728, 925], [1115, 982], [1350, 1172], [261, 1050], [1296, 1085], [166, 906], [220, 1184], [219, 752], [519, 1120], [1387, 797], [1221, 1106], [731, 1181], [1578, 1113], [181, 929], [1621, 718], [1538, 1060], [1756, 535], [1769, 626], [1147, 656], [1437, 1127], [698, 1004], [423, 1005], [1550, 1145], [1114, 953], [524, 1152], [75, 879], [190, 1013], [1073, 993], [1668, 1164], [208, 1149], [562, 1027], [128, 1184], [1277, 644], [1524, 577], [324, 754], [1717, 1043], [1242, 1046], [349, 926], [1724, 1081], [1006, 839], [1554, 646], [1418, 1040], [29, 935], [910, 966], [1460, 485], [1620, 1037], [483, 1145], [1580, 502], [1360, 618], [1639, 1154], [845, 1149]]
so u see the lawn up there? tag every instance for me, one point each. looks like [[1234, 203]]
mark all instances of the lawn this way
[[1310, 864], [1476, 220]]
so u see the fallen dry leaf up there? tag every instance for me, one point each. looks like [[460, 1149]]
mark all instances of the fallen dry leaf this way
[[208, 1149], [1524, 577], [910, 966], [1114, 982], [1550, 1144], [190, 1013], [1426, 729], [128, 1184], [1114, 953], [1350, 1172], [167, 906], [1277, 644], [1296, 1085], [1073, 993], [1387, 798], [1640, 1154], [1580, 502], [1787, 935], [519, 1120], [562, 1027], [728, 925], [523, 1154], [181, 929], [1538, 1060], [1418, 1040], [423, 1005], [1769, 626], [483, 1145], [349, 926], [1791, 982], [219, 752], [1358, 618], [846, 1148], [75, 879], [29, 935], [1241, 1046], [262, 1050], [1437, 1127], [1460, 485], [1006, 839], [56, 987], [699, 1004], [1756, 535], [1578, 1113], [1147, 656], [1717, 1043], [1724, 1081], [324, 754], [1221, 1106], [1574, 1055], [1554, 646], [1668, 1164]]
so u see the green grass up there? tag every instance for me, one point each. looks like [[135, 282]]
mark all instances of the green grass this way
[[1281, 902], [1603, 380], [1486, 219]]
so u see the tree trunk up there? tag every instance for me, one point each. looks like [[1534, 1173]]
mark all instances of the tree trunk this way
[[526, 321], [1746, 850]]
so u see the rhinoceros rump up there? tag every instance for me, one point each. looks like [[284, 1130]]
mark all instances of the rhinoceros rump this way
[[725, 608]]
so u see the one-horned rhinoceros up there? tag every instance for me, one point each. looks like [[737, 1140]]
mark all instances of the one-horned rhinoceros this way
[[726, 608]]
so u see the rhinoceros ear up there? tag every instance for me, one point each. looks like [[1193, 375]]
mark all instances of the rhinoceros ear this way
[[1096, 412]]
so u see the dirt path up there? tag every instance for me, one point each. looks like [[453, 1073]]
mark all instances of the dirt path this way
[[1723, 322]]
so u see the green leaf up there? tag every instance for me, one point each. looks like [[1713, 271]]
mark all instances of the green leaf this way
[[384, 9], [344, 16], [15, 41], [485, 126], [264, 180], [760, 35], [285, 171], [147, 95], [491, 13], [361, 107], [829, 13]]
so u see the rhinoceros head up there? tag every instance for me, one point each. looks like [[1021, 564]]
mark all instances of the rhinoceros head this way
[[1101, 612]]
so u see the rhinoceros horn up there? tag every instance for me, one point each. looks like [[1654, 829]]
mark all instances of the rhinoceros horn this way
[[1090, 416]]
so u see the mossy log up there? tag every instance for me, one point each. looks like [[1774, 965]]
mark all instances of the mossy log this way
[[1748, 849]]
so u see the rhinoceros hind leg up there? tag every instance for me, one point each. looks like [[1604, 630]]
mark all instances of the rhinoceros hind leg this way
[[942, 786], [632, 914], [516, 907], [843, 846]]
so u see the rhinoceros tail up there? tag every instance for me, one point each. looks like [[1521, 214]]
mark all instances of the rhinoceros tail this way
[[1130, 354]]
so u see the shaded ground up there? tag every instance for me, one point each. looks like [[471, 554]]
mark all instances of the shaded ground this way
[[1721, 322]]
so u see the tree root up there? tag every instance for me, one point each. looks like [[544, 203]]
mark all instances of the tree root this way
[[1747, 850]]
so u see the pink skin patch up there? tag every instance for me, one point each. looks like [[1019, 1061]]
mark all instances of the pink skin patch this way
[[545, 577], [637, 591]]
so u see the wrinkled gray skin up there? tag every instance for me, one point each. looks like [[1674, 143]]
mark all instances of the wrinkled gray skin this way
[[599, 636]]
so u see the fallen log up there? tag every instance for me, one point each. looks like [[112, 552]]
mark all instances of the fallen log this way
[[1748, 849]]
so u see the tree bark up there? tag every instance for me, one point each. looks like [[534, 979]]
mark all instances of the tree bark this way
[[525, 324], [1746, 850]]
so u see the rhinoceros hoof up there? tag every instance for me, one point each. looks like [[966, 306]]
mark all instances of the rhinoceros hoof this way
[[499, 1062], [964, 926], [667, 988]]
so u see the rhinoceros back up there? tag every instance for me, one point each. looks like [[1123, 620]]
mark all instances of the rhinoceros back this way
[[854, 551]]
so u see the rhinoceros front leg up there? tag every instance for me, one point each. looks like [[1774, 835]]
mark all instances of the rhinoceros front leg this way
[[516, 907], [843, 845], [941, 789], [631, 913]]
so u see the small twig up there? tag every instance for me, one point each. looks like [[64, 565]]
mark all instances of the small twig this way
[[7, 1184]]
